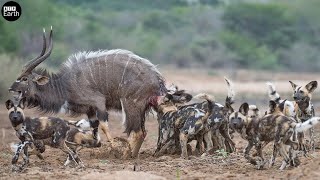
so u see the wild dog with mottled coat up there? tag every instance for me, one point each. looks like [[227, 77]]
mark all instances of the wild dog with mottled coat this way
[[219, 121], [301, 108], [55, 132], [277, 128], [186, 123]]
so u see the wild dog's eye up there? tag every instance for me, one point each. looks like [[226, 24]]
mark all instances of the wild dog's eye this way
[[24, 78], [301, 91], [18, 112]]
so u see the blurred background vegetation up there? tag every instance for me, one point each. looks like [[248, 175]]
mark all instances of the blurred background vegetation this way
[[232, 34]]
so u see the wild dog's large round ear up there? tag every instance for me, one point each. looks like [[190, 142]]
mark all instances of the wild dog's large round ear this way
[[244, 108], [281, 105], [22, 102], [168, 97], [293, 85], [272, 105], [9, 104], [311, 86], [181, 97]]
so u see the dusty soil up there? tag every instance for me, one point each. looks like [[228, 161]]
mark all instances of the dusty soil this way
[[101, 165]]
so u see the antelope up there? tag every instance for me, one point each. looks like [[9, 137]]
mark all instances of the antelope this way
[[92, 83]]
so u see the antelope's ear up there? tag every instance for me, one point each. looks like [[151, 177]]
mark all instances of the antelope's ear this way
[[244, 108], [311, 86], [9, 104], [272, 105], [293, 85], [22, 102], [40, 80]]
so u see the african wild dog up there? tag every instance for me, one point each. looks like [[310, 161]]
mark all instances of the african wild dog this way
[[277, 128], [184, 123], [305, 110], [55, 132], [287, 107], [219, 121], [301, 108]]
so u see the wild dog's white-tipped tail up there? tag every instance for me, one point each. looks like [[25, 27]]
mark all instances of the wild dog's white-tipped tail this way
[[300, 127], [254, 108], [231, 92], [13, 146], [273, 94], [204, 96]]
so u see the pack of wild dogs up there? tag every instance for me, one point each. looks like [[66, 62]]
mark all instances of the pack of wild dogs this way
[[92, 83], [210, 123]]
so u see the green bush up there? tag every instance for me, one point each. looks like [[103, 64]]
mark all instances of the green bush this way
[[249, 53], [269, 24]]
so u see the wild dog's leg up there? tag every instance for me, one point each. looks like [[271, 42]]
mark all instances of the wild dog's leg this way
[[293, 150], [230, 145], [302, 144], [21, 146], [214, 139], [71, 154], [247, 153], [274, 155], [25, 156], [199, 145], [183, 144], [208, 139], [69, 159], [285, 156], [259, 148], [164, 148], [312, 137]]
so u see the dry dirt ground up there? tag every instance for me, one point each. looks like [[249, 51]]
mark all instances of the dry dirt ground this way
[[101, 165]]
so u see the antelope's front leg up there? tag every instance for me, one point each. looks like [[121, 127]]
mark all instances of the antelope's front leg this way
[[103, 123]]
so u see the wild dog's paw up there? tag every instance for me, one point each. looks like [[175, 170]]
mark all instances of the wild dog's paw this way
[[40, 156], [271, 163], [260, 164], [283, 165], [16, 168], [295, 162]]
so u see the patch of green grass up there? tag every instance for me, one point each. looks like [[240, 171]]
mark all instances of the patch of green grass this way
[[222, 152], [178, 173]]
